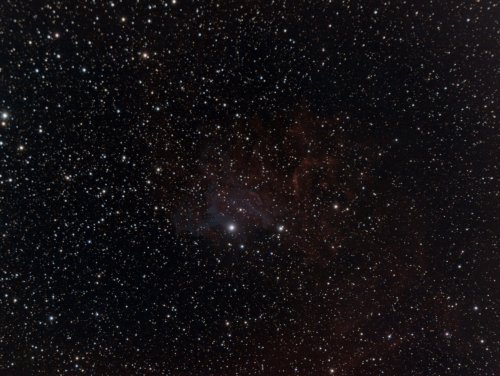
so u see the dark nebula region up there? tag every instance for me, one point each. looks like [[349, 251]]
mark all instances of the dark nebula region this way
[[223, 188]]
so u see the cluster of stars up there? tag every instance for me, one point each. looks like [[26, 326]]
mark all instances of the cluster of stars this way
[[249, 188]]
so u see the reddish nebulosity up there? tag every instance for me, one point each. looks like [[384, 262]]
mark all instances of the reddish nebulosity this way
[[303, 176], [300, 173]]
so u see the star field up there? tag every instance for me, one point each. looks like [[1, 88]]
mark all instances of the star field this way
[[219, 188]]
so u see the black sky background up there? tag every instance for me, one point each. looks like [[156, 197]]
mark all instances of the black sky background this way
[[368, 130]]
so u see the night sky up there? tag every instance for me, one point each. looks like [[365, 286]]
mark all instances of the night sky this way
[[221, 188]]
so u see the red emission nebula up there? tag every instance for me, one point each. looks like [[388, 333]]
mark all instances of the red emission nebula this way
[[300, 180]]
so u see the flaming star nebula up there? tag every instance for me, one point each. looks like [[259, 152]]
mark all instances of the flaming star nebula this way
[[251, 188], [304, 176]]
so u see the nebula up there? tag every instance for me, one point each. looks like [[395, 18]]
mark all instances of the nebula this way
[[308, 188]]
